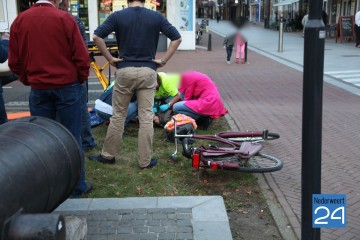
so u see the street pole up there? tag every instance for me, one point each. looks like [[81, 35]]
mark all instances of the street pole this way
[[312, 117], [281, 34]]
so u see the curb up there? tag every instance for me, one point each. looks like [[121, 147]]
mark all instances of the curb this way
[[209, 216]]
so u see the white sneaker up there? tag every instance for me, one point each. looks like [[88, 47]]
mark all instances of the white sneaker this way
[[228, 62]]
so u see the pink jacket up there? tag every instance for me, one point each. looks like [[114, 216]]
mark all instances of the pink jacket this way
[[201, 94]]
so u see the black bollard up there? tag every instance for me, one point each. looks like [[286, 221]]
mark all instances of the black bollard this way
[[209, 42], [312, 117]]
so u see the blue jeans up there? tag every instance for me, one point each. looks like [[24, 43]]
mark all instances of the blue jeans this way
[[86, 136], [131, 114], [180, 107], [63, 105], [3, 116]]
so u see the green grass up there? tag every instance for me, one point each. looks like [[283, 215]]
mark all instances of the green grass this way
[[168, 178]]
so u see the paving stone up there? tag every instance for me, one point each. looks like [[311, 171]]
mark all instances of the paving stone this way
[[166, 236], [159, 216], [153, 223], [157, 229], [183, 210], [107, 230], [138, 223], [140, 210], [98, 237], [171, 216], [141, 229], [149, 236], [183, 223], [142, 216], [168, 210], [121, 230], [168, 223], [184, 229], [182, 236], [183, 216]]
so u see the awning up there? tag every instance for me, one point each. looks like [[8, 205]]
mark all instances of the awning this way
[[285, 2]]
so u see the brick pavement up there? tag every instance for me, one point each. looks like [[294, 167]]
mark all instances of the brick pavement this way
[[267, 94], [137, 224]]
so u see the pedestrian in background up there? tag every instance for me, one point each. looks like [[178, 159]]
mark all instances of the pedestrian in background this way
[[357, 29], [87, 140], [218, 17], [240, 48], [137, 33], [304, 22], [229, 42], [3, 57], [47, 52]]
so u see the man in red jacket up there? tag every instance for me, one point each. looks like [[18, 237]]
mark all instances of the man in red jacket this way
[[48, 53]]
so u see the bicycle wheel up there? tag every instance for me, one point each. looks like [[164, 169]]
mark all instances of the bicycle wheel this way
[[259, 163], [248, 136]]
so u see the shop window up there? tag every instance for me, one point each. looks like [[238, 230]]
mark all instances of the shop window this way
[[106, 7], [79, 8]]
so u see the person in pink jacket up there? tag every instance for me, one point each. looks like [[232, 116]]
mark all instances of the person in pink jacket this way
[[240, 47], [200, 97]]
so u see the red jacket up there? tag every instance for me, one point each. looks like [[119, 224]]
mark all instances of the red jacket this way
[[46, 49]]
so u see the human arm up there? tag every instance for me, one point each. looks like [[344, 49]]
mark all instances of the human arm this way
[[14, 62], [100, 33], [168, 105], [80, 54], [169, 31]]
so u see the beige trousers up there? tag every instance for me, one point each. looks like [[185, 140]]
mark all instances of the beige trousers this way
[[142, 82]]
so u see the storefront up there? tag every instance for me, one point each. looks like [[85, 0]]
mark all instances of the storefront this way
[[342, 8], [256, 11], [181, 13]]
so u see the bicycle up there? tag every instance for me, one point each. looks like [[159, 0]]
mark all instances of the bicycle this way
[[235, 151]]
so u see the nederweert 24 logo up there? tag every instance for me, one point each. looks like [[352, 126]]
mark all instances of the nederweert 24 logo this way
[[329, 211]]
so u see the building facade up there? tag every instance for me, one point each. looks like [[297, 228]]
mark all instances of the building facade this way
[[181, 13]]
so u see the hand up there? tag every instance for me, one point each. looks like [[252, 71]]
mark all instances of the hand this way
[[164, 107], [224, 47], [115, 60], [5, 35], [155, 110], [159, 62]]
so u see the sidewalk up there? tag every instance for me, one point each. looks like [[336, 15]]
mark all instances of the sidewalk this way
[[268, 95], [341, 59]]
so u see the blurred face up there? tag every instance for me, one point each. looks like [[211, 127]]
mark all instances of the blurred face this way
[[57, 3]]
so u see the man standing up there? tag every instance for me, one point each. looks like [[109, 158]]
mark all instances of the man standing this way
[[137, 33], [48, 53], [3, 57], [357, 29]]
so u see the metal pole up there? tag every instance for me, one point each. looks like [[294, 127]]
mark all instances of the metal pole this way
[[312, 117], [209, 42], [281, 34]]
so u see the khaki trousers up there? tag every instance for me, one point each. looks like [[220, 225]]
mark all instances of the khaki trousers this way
[[142, 82]]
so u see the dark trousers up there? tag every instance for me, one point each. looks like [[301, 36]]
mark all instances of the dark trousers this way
[[3, 116], [86, 136], [229, 50], [357, 32], [64, 106]]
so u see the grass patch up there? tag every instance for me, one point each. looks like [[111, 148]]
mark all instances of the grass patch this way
[[168, 178]]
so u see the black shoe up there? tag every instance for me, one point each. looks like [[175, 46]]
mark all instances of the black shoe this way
[[101, 159], [153, 163], [78, 194]]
